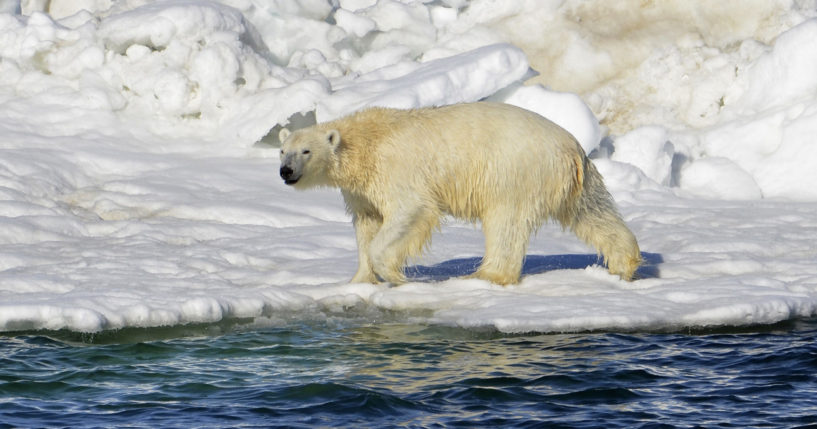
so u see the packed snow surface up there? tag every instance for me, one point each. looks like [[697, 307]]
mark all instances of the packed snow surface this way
[[138, 173]]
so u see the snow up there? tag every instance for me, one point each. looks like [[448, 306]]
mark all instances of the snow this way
[[134, 192]]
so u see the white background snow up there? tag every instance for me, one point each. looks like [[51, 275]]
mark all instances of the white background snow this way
[[134, 192]]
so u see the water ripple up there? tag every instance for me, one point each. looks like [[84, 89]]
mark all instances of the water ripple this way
[[308, 375]]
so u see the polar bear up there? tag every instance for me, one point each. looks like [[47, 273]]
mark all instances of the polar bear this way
[[401, 171]]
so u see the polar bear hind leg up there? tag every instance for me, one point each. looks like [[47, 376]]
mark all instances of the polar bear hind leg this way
[[598, 223], [506, 241]]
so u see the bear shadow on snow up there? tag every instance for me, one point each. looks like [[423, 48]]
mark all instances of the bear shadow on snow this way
[[534, 264]]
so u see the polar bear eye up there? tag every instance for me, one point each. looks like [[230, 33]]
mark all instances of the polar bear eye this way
[[305, 152]]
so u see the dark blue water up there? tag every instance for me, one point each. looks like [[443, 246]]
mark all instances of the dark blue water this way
[[352, 374]]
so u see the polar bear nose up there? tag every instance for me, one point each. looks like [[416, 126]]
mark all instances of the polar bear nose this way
[[286, 172]]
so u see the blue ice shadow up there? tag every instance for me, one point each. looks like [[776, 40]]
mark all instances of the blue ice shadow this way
[[534, 264]]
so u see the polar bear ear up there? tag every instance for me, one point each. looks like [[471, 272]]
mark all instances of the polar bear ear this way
[[333, 138], [283, 134]]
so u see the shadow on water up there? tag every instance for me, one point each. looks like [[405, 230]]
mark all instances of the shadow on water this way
[[534, 264]]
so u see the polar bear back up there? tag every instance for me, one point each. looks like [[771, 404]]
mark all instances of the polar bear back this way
[[464, 156]]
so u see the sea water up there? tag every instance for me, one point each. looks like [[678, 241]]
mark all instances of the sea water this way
[[347, 372]]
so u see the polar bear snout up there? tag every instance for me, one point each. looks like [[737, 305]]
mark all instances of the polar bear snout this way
[[287, 174]]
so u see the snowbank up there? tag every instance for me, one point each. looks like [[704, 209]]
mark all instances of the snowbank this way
[[132, 192]]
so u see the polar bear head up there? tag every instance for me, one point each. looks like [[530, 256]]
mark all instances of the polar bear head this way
[[307, 155]]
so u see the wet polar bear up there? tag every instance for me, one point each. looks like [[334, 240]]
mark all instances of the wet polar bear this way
[[400, 171]]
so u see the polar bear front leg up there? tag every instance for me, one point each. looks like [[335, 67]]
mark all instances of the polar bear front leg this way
[[402, 235], [366, 228]]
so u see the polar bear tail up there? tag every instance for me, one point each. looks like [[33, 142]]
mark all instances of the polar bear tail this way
[[596, 220]]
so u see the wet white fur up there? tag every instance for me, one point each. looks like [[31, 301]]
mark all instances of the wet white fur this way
[[400, 171]]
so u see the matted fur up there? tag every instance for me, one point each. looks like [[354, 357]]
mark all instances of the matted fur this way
[[400, 171]]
